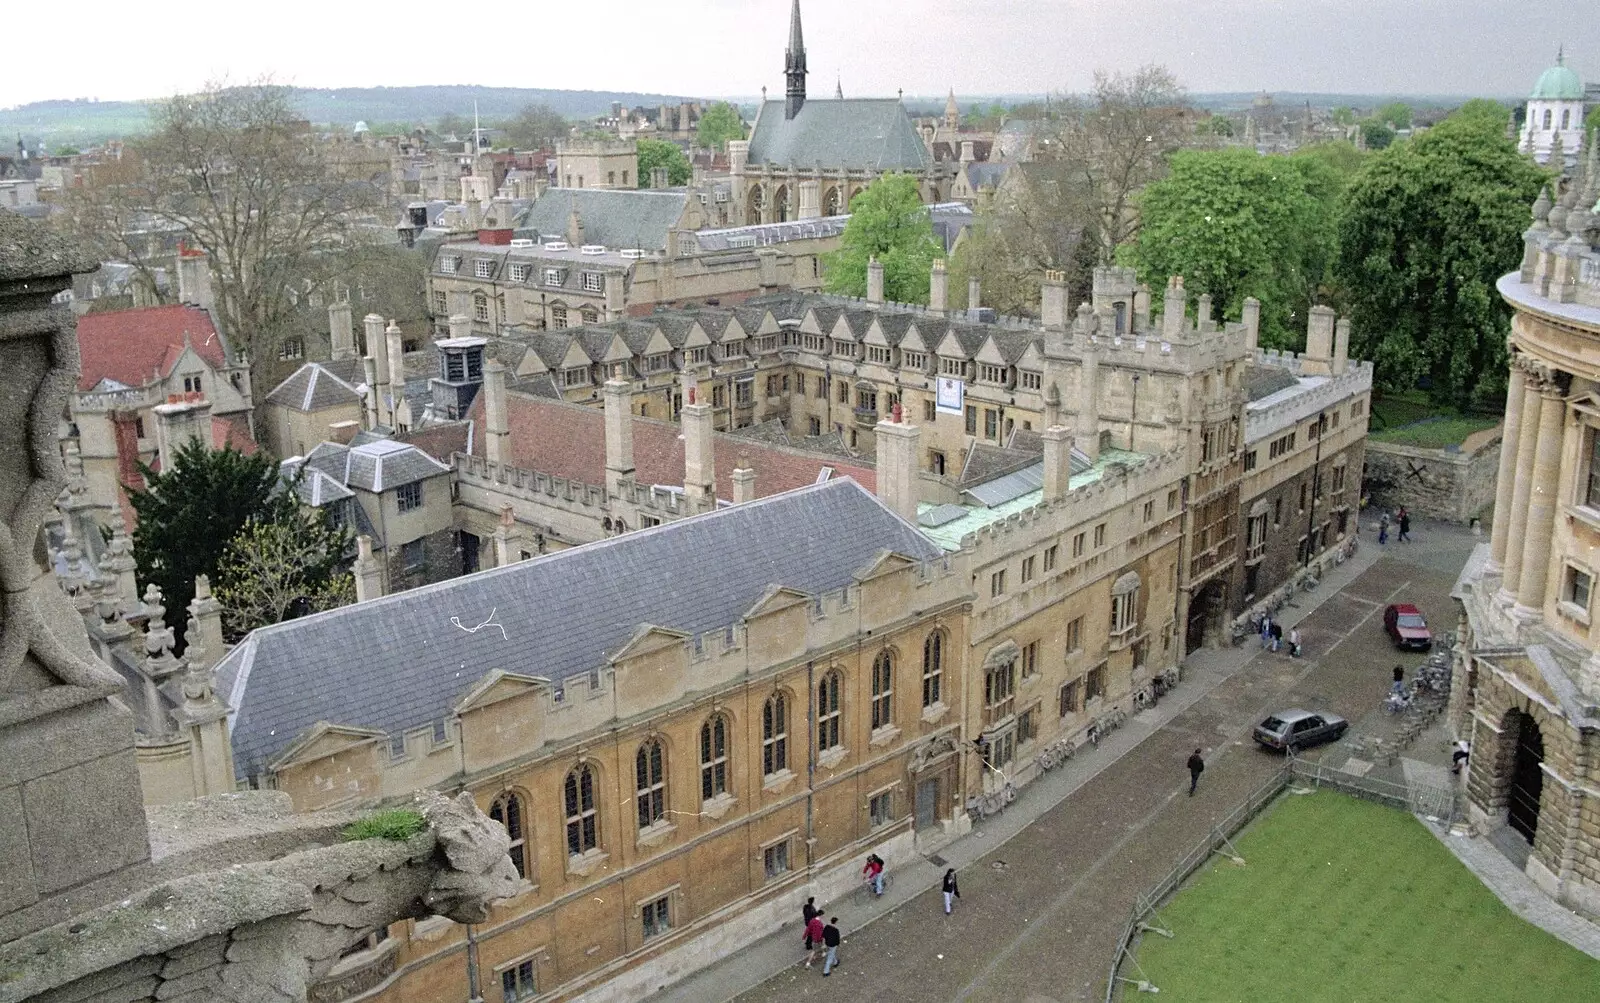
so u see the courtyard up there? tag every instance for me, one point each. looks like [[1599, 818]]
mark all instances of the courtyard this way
[[1341, 899]]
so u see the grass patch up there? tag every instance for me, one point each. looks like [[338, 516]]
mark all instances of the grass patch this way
[[396, 824], [1437, 434], [1343, 900]]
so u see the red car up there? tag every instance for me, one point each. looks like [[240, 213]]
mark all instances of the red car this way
[[1407, 628]]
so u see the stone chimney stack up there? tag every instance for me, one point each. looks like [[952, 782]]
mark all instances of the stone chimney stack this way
[[494, 412], [1053, 300], [938, 288], [1203, 318], [372, 327], [369, 366], [1341, 346], [368, 571], [619, 432], [1088, 426], [738, 156], [1057, 461], [1173, 309], [699, 454], [341, 332], [1141, 307], [968, 154], [1318, 357], [744, 481], [898, 445], [177, 424], [398, 409], [974, 295], [194, 277], [874, 280], [460, 325], [1251, 315], [659, 178]]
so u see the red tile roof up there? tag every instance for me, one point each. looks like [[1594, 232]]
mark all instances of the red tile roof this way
[[233, 431], [133, 346], [569, 440], [440, 441]]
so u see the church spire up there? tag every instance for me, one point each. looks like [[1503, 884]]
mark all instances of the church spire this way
[[794, 66]]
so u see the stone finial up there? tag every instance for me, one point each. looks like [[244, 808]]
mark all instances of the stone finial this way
[[158, 637], [1541, 209], [198, 682]]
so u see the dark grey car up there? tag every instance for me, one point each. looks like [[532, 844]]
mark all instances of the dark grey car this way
[[1299, 729]]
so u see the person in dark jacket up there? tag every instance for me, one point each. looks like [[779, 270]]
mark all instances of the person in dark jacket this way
[[809, 910], [830, 939], [1405, 526], [1197, 766], [951, 891]]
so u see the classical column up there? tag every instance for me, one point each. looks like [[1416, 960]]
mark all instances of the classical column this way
[[1505, 481], [1522, 484], [1541, 509]]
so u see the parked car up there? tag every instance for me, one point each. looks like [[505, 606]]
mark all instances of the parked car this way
[[1407, 627], [1291, 730]]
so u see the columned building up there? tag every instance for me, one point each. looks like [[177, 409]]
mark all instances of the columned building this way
[[1527, 678]]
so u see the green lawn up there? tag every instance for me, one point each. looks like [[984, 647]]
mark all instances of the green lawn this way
[[1434, 434], [1343, 900]]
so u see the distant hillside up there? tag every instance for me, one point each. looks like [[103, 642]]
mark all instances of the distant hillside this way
[[83, 121]]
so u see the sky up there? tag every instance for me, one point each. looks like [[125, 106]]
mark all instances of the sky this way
[[116, 50]]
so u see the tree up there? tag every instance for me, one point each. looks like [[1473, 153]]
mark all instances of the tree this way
[[1428, 226], [235, 173], [887, 221], [1344, 115], [279, 569], [1591, 121], [1395, 114], [718, 124], [187, 514], [536, 127], [1235, 223], [451, 124], [655, 153], [1376, 135]]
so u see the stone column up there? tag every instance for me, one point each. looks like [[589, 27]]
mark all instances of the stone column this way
[[1505, 480], [1522, 484], [1053, 300], [874, 280], [1541, 509], [938, 288]]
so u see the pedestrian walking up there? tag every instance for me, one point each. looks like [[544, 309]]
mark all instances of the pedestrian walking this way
[[1294, 643], [1405, 525], [809, 910], [951, 891], [1458, 764], [1399, 686], [814, 932], [1277, 636], [830, 940], [1266, 631], [873, 873], [1197, 766], [1383, 529]]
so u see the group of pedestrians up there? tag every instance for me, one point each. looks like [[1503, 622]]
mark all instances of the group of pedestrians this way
[[825, 937], [1402, 522], [1272, 637]]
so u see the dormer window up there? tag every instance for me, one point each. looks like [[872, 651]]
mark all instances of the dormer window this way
[[952, 367], [483, 268], [450, 265]]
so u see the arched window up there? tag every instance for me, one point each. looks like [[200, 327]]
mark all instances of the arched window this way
[[830, 203], [507, 810], [932, 668], [651, 775], [883, 689], [583, 823], [480, 306], [1125, 603], [1566, 117], [775, 735], [828, 712], [1547, 118], [714, 757]]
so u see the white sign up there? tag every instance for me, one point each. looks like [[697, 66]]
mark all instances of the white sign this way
[[951, 396]]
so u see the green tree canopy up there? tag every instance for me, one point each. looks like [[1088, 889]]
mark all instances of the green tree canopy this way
[[655, 153], [187, 514], [1376, 135], [536, 126], [887, 221], [281, 568], [1344, 115], [1427, 228], [1235, 223], [1591, 121], [1395, 114], [718, 124]]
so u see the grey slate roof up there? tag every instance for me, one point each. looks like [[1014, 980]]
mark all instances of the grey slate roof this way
[[619, 218], [375, 466], [1264, 381], [399, 662], [313, 387], [855, 133]]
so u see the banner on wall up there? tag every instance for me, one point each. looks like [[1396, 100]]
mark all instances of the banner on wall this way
[[951, 396]]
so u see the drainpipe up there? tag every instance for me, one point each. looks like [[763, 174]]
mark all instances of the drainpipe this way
[[1316, 475], [811, 763]]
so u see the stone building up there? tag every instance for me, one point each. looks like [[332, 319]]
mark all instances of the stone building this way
[[810, 158], [597, 163], [1554, 114], [1527, 677]]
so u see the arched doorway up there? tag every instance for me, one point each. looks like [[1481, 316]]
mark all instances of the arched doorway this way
[[1527, 779], [830, 202]]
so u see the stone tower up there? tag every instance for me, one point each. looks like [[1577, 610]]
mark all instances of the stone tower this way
[[794, 66]]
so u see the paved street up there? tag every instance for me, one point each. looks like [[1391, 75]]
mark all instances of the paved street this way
[[1040, 913]]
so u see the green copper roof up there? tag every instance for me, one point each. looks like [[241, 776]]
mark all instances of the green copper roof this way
[[1558, 83]]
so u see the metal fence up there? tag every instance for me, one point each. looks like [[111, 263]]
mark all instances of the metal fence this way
[[1440, 803]]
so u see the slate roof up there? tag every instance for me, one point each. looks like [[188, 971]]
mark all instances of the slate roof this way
[[313, 387], [854, 133], [133, 346], [619, 218], [398, 662], [377, 466], [442, 439], [569, 440], [1264, 381], [316, 487]]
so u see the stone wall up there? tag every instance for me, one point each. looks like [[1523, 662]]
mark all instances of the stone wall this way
[[1456, 485]]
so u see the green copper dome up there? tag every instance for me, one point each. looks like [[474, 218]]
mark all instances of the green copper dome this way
[[1558, 84]]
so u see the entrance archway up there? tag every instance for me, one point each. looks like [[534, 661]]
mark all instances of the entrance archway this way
[[1527, 779], [1205, 616]]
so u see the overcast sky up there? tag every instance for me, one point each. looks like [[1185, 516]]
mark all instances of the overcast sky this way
[[116, 49]]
